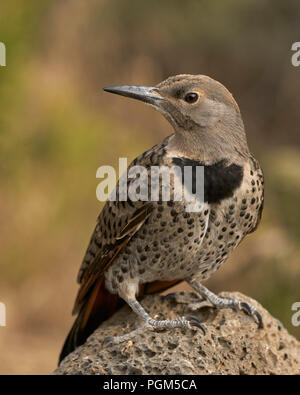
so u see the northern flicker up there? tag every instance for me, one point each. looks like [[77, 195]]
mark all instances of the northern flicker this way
[[141, 247]]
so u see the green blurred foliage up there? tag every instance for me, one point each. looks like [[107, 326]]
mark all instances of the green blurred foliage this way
[[57, 128]]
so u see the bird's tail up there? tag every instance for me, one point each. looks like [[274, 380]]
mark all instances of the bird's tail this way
[[74, 339], [99, 306]]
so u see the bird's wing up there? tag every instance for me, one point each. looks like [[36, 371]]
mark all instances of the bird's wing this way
[[110, 237], [116, 225]]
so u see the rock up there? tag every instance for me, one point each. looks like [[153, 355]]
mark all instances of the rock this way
[[233, 344]]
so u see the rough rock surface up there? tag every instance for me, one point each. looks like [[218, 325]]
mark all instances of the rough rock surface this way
[[232, 345]]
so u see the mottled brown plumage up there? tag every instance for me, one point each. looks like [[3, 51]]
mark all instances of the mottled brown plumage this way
[[139, 247]]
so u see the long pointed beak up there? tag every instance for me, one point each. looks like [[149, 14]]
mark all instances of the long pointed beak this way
[[146, 94]]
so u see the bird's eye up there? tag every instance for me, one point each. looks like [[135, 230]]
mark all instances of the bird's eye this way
[[191, 97]]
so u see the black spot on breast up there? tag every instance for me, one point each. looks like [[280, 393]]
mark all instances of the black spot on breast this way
[[220, 180]]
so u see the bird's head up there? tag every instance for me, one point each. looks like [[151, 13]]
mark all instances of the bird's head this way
[[203, 113]]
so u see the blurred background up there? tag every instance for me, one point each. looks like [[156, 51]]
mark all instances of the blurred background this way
[[57, 127]]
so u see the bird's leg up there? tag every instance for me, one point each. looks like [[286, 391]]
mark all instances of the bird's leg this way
[[183, 322], [222, 303]]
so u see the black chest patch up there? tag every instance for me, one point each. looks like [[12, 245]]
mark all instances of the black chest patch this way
[[220, 181]]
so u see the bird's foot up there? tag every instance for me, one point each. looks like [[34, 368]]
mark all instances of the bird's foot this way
[[223, 303], [239, 305], [181, 322]]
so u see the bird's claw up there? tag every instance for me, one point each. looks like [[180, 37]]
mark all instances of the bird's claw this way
[[193, 321], [251, 311]]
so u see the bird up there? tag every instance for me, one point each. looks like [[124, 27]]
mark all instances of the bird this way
[[141, 247]]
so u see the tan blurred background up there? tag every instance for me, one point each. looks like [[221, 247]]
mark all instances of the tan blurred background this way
[[57, 127]]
